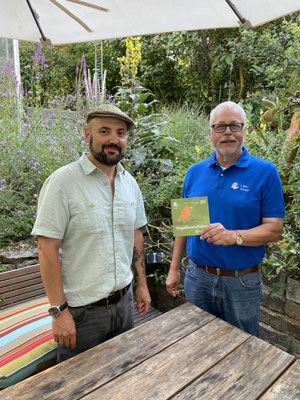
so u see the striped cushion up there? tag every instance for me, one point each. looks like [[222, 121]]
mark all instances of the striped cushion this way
[[26, 340]]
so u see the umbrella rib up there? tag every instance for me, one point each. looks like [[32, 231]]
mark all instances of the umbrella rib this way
[[71, 15], [236, 11], [83, 3], [36, 21]]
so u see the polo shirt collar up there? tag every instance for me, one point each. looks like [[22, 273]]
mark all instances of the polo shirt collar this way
[[242, 162], [88, 167]]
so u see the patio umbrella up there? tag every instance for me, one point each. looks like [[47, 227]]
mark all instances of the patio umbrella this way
[[71, 21]]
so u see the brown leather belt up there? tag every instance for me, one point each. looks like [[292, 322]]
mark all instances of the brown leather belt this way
[[113, 298], [226, 272]]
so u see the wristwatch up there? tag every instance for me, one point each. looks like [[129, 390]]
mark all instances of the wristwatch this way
[[55, 311], [238, 239]]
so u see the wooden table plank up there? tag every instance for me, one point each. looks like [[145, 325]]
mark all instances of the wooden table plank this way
[[165, 374], [244, 374], [74, 378], [287, 387]]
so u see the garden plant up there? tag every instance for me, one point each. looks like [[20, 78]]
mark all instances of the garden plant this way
[[43, 128]]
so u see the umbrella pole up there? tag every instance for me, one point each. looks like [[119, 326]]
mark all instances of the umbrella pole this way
[[45, 40]]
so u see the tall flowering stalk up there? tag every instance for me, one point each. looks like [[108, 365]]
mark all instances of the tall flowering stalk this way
[[129, 63], [89, 85]]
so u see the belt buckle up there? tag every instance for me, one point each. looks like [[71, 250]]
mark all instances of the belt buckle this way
[[218, 271], [108, 305]]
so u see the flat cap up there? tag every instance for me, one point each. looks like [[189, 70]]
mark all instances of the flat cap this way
[[109, 110]]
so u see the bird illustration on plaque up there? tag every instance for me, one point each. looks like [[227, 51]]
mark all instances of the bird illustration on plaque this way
[[189, 215]]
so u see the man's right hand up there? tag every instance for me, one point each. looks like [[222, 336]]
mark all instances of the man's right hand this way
[[172, 282], [64, 330]]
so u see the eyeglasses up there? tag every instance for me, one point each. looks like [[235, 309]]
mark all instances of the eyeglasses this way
[[221, 128]]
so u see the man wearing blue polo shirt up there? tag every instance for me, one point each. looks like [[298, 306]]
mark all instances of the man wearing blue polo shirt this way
[[246, 211]]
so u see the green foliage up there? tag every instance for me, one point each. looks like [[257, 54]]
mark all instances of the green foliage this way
[[149, 148], [34, 142]]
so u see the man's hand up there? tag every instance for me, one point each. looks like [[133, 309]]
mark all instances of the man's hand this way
[[143, 300], [218, 235], [64, 330], [172, 282]]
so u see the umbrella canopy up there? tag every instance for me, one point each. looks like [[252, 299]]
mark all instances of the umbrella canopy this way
[[71, 21]]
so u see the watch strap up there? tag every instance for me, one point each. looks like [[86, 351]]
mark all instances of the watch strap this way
[[63, 306]]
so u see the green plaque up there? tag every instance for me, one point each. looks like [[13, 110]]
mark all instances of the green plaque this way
[[189, 215]]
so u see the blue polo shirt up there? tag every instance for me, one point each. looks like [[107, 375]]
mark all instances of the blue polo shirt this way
[[238, 197]]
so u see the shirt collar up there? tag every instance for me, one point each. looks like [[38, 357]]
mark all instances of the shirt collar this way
[[242, 161], [88, 167]]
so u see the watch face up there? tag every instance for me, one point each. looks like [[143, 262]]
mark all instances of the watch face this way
[[239, 240], [54, 311]]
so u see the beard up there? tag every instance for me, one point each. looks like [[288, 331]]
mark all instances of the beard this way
[[104, 158]]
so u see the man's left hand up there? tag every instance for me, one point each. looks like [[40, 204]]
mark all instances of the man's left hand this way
[[218, 235], [143, 300]]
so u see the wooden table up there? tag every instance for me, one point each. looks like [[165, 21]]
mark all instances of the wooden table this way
[[185, 353]]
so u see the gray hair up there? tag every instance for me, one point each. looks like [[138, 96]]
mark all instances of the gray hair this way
[[231, 105]]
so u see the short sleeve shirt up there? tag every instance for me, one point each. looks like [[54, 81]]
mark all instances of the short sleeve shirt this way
[[97, 229], [239, 197]]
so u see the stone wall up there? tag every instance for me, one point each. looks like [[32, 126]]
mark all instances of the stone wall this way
[[280, 315]]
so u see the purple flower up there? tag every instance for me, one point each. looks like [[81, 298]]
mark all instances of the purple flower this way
[[36, 57], [20, 151], [35, 196], [39, 48], [43, 60], [46, 66], [2, 181]]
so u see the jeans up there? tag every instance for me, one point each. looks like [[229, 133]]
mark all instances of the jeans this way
[[96, 324], [234, 299]]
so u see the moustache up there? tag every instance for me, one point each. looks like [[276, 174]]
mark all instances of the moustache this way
[[114, 146], [228, 139]]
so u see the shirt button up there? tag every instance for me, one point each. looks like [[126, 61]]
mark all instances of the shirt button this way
[[222, 174], [115, 227], [105, 183], [117, 250]]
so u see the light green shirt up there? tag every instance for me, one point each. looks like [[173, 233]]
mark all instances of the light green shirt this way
[[97, 229]]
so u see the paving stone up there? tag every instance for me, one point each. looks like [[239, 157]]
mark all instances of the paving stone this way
[[292, 310], [274, 337], [280, 322], [294, 294], [274, 301], [296, 348]]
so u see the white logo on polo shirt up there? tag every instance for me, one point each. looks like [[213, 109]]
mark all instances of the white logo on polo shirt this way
[[237, 185]]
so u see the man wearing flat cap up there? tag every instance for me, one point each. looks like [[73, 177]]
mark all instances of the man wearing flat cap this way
[[89, 220]]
